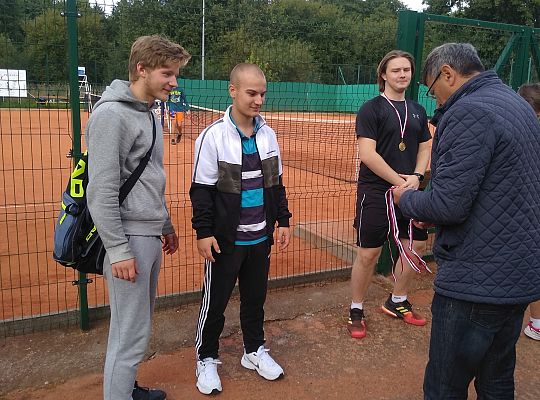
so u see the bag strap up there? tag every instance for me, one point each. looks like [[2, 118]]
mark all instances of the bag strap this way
[[135, 175]]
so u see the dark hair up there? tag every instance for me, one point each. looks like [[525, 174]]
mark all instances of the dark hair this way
[[531, 93], [381, 69], [462, 57]]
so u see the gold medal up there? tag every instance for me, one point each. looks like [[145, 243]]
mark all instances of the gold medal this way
[[402, 146]]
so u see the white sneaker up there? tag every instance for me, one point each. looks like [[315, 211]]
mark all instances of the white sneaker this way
[[263, 363], [208, 381], [532, 332]]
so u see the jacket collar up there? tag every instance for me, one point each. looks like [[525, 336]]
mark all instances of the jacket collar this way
[[259, 120], [483, 79]]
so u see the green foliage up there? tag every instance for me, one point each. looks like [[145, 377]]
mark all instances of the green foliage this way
[[9, 55], [46, 38], [327, 41], [11, 14], [489, 43], [286, 60], [518, 12]]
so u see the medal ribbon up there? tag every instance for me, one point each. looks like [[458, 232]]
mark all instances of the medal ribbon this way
[[401, 127], [412, 258]]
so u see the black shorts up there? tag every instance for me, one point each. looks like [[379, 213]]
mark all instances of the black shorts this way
[[371, 221]]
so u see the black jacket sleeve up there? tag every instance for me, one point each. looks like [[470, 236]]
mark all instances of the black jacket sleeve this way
[[283, 213], [202, 200]]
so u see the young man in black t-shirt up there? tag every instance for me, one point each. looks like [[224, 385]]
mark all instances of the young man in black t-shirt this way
[[393, 142]]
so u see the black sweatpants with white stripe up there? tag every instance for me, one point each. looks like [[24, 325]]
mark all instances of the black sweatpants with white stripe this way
[[249, 265]]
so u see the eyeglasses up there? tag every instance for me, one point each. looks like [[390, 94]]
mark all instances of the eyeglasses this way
[[430, 93]]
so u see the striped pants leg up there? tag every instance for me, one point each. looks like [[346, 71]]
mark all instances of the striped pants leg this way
[[249, 265]]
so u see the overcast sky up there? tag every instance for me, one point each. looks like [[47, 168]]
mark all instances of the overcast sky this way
[[415, 5]]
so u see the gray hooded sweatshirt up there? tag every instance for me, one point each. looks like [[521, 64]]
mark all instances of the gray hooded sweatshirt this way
[[118, 135]]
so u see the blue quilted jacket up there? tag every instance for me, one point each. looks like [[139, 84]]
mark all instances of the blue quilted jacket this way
[[485, 199]]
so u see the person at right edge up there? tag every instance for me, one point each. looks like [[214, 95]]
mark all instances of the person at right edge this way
[[484, 202], [531, 93]]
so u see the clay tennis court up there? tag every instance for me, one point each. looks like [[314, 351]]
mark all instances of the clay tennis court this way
[[319, 156]]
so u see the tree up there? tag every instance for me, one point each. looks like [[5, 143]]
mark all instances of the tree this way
[[179, 20], [488, 42], [10, 57], [519, 12], [10, 19], [46, 43]]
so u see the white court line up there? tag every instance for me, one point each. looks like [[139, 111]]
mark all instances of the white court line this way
[[326, 121], [284, 117]]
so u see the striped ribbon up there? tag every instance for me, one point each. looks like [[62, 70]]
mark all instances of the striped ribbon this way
[[413, 259]]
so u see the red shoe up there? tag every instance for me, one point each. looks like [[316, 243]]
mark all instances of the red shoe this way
[[404, 311], [356, 325]]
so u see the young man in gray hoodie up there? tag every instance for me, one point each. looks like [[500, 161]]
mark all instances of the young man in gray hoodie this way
[[118, 134]]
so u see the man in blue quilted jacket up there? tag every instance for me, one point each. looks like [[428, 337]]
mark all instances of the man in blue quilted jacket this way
[[485, 204]]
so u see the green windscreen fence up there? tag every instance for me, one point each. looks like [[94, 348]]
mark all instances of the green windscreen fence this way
[[285, 96]]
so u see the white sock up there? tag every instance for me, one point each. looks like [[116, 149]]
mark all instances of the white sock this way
[[398, 299], [360, 306], [535, 322]]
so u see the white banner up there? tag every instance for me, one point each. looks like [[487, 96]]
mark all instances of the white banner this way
[[13, 83]]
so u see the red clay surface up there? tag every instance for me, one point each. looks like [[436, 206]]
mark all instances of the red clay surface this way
[[319, 156], [305, 330]]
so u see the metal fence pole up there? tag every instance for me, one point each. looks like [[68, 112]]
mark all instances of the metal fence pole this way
[[410, 38], [522, 54], [71, 15]]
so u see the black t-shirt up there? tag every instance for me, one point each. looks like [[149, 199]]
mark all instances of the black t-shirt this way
[[378, 120]]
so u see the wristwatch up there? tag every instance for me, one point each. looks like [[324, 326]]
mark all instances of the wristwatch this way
[[420, 176]]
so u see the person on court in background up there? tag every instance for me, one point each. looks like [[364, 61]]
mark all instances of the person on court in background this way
[[119, 133], [238, 196], [484, 201], [393, 146], [178, 108], [531, 93]]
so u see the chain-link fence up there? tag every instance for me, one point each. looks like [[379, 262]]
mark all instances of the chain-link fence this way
[[319, 58], [314, 122]]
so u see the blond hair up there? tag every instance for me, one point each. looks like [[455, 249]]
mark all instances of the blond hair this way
[[381, 69], [153, 52]]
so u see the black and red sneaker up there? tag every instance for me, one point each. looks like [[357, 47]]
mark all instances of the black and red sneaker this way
[[356, 324], [403, 310]]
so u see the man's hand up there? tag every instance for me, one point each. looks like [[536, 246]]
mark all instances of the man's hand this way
[[205, 247], [398, 192], [283, 237], [126, 269], [170, 243], [411, 181]]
